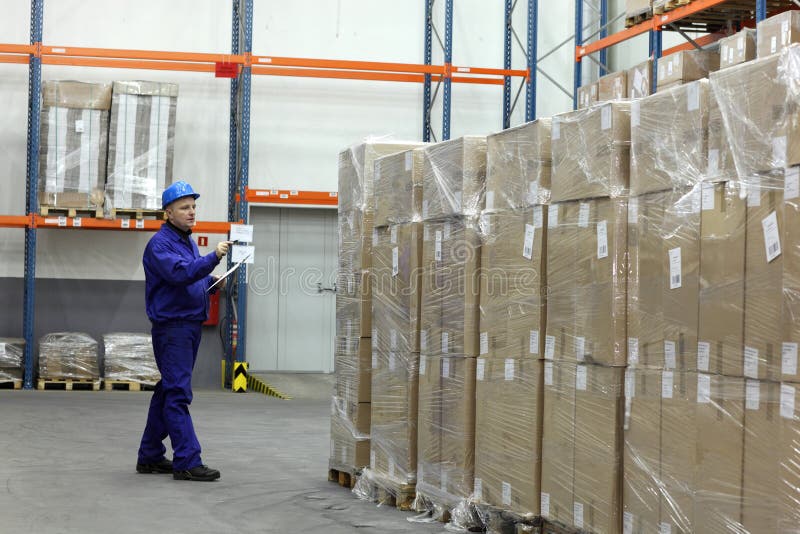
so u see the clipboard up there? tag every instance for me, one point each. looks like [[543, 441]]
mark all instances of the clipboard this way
[[228, 273]]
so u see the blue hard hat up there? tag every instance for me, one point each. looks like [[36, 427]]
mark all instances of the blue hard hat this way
[[175, 191]]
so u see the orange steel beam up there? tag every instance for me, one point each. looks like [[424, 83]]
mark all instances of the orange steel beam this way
[[23, 60], [142, 225], [338, 74], [127, 64], [490, 72], [482, 81], [17, 49], [282, 196], [153, 55], [347, 65], [14, 221], [702, 41]]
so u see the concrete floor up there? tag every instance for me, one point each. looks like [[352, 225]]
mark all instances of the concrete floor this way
[[67, 464]]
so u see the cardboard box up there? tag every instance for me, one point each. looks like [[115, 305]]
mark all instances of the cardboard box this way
[[398, 188], [598, 448], [642, 451], [394, 417], [458, 428], [518, 166], [558, 442], [613, 86], [588, 95], [396, 292], [738, 48], [349, 451], [562, 275], [508, 430], [721, 299], [433, 290], [68, 355], [636, 7], [721, 164], [640, 80], [591, 152], [429, 424], [454, 178], [354, 304], [513, 280], [669, 133], [720, 440], [353, 364], [778, 32], [687, 66]]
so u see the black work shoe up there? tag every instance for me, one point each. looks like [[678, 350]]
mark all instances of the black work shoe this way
[[201, 473], [164, 466]]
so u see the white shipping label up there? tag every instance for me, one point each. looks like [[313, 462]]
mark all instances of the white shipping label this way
[[506, 494], [703, 355], [703, 389], [545, 504], [445, 342], [730, 55], [423, 365], [509, 370], [750, 362], [664, 528], [549, 347], [534, 342], [627, 523], [374, 359], [423, 340], [752, 395], [577, 514], [478, 489], [484, 343], [374, 236], [391, 467], [708, 196], [740, 43], [675, 276], [713, 162], [670, 362], [630, 384], [791, 184], [527, 246], [552, 216], [670, 68], [555, 131], [787, 401], [772, 239], [437, 253], [392, 360], [446, 231], [548, 373], [754, 192], [779, 151], [605, 118], [789, 359], [374, 336], [481, 369], [693, 96], [583, 215], [372, 456], [633, 210], [140, 226], [784, 32], [602, 239], [393, 234], [351, 285], [76, 222], [533, 192], [395, 261], [409, 157], [538, 217], [445, 367], [489, 200], [79, 126], [419, 473], [124, 223], [581, 378], [424, 209], [667, 380], [580, 348], [633, 350], [635, 109]]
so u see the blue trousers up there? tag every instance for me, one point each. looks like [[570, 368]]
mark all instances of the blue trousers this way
[[175, 346]]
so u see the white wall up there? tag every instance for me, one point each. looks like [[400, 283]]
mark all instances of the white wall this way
[[297, 125]]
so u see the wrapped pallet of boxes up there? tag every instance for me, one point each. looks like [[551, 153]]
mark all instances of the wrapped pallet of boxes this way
[[351, 409], [778, 32], [397, 276], [686, 66], [738, 48], [453, 199], [128, 357], [141, 144], [12, 352], [72, 154], [68, 355]]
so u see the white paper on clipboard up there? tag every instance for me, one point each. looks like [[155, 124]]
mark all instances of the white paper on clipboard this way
[[228, 273]]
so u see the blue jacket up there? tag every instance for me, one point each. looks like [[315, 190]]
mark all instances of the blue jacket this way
[[176, 277]]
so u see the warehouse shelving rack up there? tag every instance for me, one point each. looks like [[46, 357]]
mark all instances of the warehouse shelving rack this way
[[245, 65], [712, 18]]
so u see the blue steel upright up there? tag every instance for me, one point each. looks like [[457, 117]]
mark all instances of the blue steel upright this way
[[656, 51], [32, 187], [603, 35], [507, 65], [448, 60], [578, 43], [533, 59], [761, 10], [426, 94], [233, 158]]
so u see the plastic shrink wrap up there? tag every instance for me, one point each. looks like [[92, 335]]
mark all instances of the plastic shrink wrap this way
[[12, 352], [128, 357], [68, 355]]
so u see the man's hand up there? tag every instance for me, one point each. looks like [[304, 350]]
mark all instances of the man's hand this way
[[221, 285], [222, 248]]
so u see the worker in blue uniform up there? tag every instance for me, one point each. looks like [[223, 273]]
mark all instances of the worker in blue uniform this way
[[177, 279]]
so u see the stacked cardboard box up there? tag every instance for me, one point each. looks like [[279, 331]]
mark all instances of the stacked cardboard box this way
[[68, 355], [686, 66], [12, 351], [640, 80], [737, 49], [129, 358], [588, 95], [778, 32], [351, 409], [509, 385], [453, 198], [74, 133], [613, 86]]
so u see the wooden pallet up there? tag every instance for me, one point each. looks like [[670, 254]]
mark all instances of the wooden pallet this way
[[69, 384], [669, 5], [400, 496], [500, 521], [638, 18], [137, 213], [126, 385], [344, 478], [96, 213], [11, 384]]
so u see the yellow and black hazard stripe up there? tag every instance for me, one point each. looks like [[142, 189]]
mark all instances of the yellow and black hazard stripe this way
[[252, 383], [240, 377]]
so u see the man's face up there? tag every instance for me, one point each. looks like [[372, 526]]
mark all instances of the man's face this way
[[181, 213]]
